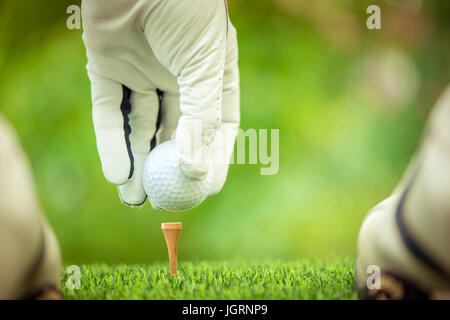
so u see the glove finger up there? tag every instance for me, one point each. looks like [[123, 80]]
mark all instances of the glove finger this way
[[110, 113], [230, 87], [169, 115], [223, 145], [142, 120]]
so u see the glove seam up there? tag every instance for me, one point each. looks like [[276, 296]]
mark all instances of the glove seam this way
[[125, 108]]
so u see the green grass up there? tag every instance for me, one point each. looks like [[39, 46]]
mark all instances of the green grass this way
[[306, 279]]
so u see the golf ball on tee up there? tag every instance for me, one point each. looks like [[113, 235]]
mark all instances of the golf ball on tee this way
[[165, 184]]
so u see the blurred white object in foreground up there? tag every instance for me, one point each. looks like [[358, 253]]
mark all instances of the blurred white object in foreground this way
[[407, 235], [30, 261]]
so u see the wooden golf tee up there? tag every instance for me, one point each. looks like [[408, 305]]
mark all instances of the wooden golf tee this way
[[172, 233]]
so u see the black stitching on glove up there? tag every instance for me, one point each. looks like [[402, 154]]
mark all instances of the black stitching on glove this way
[[125, 107]]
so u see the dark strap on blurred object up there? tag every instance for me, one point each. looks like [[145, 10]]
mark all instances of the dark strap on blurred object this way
[[412, 245]]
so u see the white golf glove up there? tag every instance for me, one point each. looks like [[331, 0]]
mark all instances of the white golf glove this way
[[158, 67]]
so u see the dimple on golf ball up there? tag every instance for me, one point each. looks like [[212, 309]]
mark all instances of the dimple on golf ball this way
[[165, 184]]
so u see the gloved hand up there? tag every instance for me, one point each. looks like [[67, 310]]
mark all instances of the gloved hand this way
[[158, 69]]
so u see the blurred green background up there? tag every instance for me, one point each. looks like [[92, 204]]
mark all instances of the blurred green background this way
[[350, 104]]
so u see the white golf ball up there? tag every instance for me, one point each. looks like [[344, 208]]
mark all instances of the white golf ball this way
[[165, 184]]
